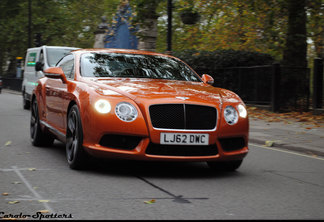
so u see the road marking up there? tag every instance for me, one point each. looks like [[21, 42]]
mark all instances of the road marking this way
[[286, 151], [20, 169], [30, 187]]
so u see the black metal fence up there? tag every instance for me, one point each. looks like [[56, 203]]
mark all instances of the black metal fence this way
[[12, 83], [250, 83], [281, 88], [318, 83]]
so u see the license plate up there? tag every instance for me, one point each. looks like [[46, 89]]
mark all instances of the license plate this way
[[184, 139]]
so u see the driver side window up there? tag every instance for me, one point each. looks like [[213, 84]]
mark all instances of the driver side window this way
[[67, 65]]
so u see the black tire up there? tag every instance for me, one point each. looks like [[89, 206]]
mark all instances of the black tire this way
[[225, 165], [38, 137], [75, 153], [26, 103]]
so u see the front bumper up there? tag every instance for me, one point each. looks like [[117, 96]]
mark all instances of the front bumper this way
[[139, 140], [143, 151]]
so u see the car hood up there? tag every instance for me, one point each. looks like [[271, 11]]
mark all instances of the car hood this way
[[160, 90]]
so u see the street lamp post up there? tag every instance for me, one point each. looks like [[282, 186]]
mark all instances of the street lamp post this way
[[29, 23], [169, 36]]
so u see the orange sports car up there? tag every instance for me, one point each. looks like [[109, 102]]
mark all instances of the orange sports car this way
[[139, 105]]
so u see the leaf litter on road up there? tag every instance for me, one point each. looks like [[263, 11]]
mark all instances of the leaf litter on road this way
[[44, 211], [13, 202], [43, 201], [269, 143], [149, 201], [16, 182], [8, 143]]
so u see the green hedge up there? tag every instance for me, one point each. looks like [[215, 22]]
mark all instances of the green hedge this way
[[207, 61]]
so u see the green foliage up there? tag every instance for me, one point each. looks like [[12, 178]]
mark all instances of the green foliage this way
[[210, 60], [315, 27], [60, 22], [229, 24], [250, 25], [145, 9]]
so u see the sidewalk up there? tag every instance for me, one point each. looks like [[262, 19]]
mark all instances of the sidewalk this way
[[11, 91], [299, 135]]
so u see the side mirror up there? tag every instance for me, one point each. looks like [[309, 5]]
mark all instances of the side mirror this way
[[55, 73], [207, 79], [39, 66]]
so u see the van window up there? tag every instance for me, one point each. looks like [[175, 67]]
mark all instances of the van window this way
[[55, 54], [31, 61]]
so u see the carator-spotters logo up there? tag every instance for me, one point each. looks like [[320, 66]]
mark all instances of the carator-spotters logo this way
[[37, 215]]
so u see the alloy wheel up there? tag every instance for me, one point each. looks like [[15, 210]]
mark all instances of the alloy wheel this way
[[72, 140]]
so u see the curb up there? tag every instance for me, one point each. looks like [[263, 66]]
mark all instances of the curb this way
[[11, 91], [287, 147]]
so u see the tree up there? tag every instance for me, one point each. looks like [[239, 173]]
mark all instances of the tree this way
[[229, 24], [295, 53], [60, 22], [315, 28]]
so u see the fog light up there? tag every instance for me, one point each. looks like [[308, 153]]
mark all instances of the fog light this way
[[242, 111], [103, 106]]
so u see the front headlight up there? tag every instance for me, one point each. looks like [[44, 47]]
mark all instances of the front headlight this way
[[126, 112], [242, 111], [230, 115], [103, 106]]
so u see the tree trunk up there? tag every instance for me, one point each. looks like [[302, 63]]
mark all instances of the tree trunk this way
[[296, 47]]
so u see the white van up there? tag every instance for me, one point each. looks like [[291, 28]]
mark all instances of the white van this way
[[37, 60]]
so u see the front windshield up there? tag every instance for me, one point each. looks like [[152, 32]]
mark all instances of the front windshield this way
[[55, 54], [135, 66]]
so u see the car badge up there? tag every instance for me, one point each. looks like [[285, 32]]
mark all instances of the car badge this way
[[182, 98]]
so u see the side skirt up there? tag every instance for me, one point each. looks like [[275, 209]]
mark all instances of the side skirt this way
[[59, 135]]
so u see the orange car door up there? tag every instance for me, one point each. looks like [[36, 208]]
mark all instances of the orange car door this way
[[54, 102], [57, 95]]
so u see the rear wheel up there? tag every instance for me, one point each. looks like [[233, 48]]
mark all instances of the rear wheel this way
[[26, 103], [225, 165], [38, 137], [75, 154]]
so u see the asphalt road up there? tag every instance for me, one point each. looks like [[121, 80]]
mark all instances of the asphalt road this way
[[271, 184]]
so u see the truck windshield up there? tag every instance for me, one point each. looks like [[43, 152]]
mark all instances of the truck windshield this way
[[55, 54]]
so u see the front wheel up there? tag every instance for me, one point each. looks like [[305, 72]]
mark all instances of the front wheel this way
[[75, 154], [225, 165]]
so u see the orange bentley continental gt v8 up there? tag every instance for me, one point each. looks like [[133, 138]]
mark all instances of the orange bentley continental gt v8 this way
[[138, 105]]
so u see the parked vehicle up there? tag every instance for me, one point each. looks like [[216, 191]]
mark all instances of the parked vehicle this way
[[0, 84], [137, 105], [38, 59]]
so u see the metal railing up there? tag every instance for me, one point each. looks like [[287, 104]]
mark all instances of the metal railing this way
[[12, 83], [281, 88]]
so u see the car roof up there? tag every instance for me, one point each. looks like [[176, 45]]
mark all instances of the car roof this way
[[58, 47], [121, 51]]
